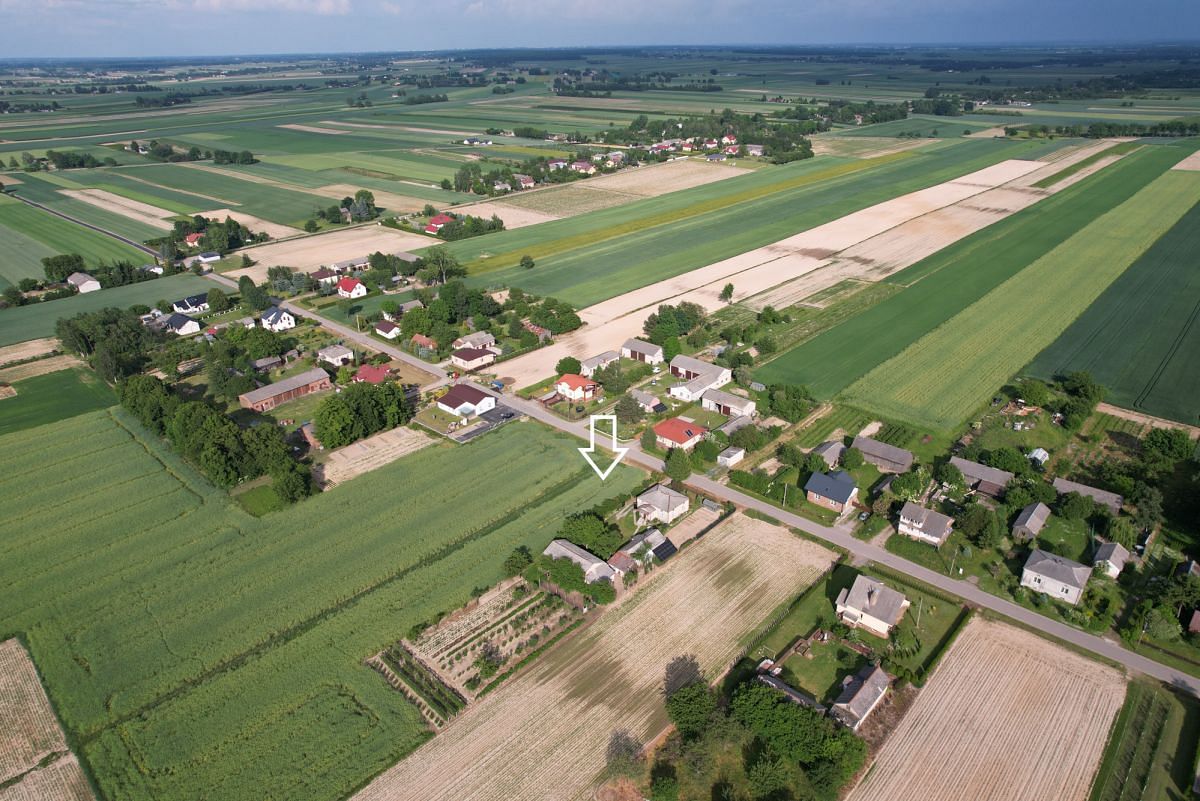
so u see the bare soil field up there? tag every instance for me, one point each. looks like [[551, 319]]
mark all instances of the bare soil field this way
[[1008, 716], [255, 224], [310, 252], [388, 200], [1192, 162], [27, 350], [133, 209], [61, 780], [543, 734], [40, 367], [660, 179], [368, 454], [11, 180], [29, 732], [293, 126], [514, 216]]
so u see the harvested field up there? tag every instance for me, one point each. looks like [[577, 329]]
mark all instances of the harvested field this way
[[133, 209], [29, 731], [1009, 715], [293, 126], [568, 201], [1192, 162], [61, 780], [255, 224], [543, 734], [39, 367], [368, 454], [660, 179], [310, 252], [388, 200], [27, 350], [514, 216]]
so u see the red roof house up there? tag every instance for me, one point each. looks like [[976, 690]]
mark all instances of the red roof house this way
[[422, 341], [193, 240], [436, 222], [351, 288], [371, 374], [676, 433], [577, 388]]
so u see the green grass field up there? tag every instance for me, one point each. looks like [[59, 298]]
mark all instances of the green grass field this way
[[54, 396], [33, 234], [938, 287], [195, 651], [944, 376], [37, 319], [1140, 337]]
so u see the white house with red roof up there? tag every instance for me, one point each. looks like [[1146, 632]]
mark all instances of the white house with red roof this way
[[437, 222], [675, 432], [729, 139], [524, 181], [577, 388], [711, 144], [583, 167], [351, 288], [731, 150]]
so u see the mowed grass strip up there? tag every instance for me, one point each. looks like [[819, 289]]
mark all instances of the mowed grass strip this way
[[937, 287], [1139, 338], [940, 379]]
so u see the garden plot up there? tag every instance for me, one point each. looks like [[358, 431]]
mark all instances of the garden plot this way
[[27, 350], [368, 454], [1008, 715], [310, 252], [256, 224], [33, 751], [133, 209], [543, 735]]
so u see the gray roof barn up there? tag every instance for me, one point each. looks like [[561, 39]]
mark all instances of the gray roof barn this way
[[1030, 521], [837, 486], [884, 456], [285, 385], [641, 346], [1058, 568], [860, 695], [1111, 500], [831, 451], [988, 480], [1114, 554], [594, 568]]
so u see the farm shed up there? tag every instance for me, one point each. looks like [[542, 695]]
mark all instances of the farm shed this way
[[642, 351], [1110, 500], [83, 282], [831, 451], [589, 366], [887, 458], [479, 340], [594, 568], [1030, 521], [731, 456], [860, 695], [727, 403], [266, 398], [1111, 558], [988, 480]]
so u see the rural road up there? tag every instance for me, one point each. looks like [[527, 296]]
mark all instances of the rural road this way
[[865, 551]]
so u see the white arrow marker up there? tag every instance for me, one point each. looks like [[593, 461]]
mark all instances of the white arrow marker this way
[[618, 453]]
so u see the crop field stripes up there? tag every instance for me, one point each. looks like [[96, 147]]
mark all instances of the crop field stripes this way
[[1184, 330]]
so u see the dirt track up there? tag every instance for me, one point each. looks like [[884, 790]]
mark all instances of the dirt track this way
[[543, 734], [1006, 716]]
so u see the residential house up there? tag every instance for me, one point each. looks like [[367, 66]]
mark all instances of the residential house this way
[[887, 458], [371, 374], [860, 695], [264, 399], [469, 359], [677, 433], [501, 186], [209, 257], [831, 451], [402, 309], [465, 400], [479, 340], [594, 568], [589, 367], [729, 139], [577, 388], [1039, 456], [351, 265], [324, 276], [660, 504], [437, 222], [351, 288], [648, 402], [192, 304], [648, 545], [278, 319], [711, 144], [835, 490], [193, 240], [981, 478], [524, 181], [583, 167], [1109, 500], [387, 329], [83, 283], [731, 456], [642, 351], [1111, 558], [870, 604], [1030, 521], [727, 403], [731, 150], [423, 344], [699, 377], [924, 524], [556, 164], [181, 324], [1055, 576], [336, 355], [754, 150]]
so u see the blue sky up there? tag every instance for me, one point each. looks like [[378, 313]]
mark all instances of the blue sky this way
[[33, 28]]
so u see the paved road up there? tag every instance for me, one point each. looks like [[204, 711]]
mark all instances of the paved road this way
[[361, 338], [865, 551]]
